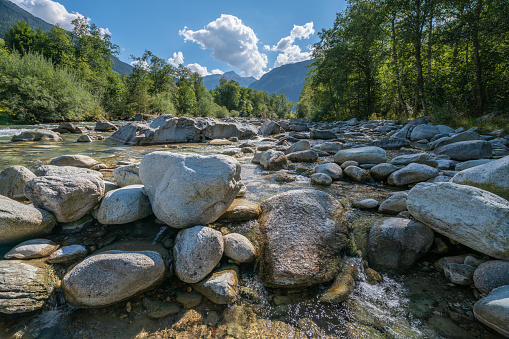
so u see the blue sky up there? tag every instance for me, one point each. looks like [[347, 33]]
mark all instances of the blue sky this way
[[249, 37]]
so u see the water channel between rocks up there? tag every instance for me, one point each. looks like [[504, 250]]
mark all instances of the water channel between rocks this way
[[419, 304]]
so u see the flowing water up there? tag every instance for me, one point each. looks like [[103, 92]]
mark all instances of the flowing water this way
[[419, 304]]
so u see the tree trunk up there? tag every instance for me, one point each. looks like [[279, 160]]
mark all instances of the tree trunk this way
[[479, 86], [417, 53], [396, 67]]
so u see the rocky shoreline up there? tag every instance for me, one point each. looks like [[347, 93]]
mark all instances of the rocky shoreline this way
[[449, 204]]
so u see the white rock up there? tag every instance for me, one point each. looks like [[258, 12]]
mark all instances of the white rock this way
[[35, 248], [124, 205], [239, 248]]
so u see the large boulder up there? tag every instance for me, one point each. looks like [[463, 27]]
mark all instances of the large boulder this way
[[270, 127], [13, 180], [412, 174], [420, 158], [68, 198], [463, 136], [189, 189], [424, 131], [105, 126], [322, 134], [391, 143], [406, 131], [67, 127], [491, 274], [75, 160], [492, 176], [124, 205], [25, 287], [30, 249], [168, 129], [64, 171], [466, 150], [37, 135], [196, 252], [473, 217], [382, 171], [303, 156], [303, 237], [20, 222], [301, 145], [493, 310], [273, 160], [328, 147], [362, 155], [112, 276], [397, 243], [332, 169], [127, 175]]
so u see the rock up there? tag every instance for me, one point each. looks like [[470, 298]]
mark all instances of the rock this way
[[395, 204], [475, 218], [396, 243], [189, 300], [302, 145], [466, 150], [159, 309], [20, 222], [30, 249], [273, 160], [493, 310], [166, 129], [189, 189], [459, 274], [303, 238], [239, 248], [391, 143], [420, 158], [351, 122], [221, 287], [124, 205], [365, 204], [463, 136], [105, 126], [457, 259], [321, 179], [270, 127], [407, 129], [282, 176], [349, 163], [82, 161], [491, 274], [64, 171], [241, 210], [382, 171], [78, 225], [424, 132], [127, 175], [471, 163], [329, 147], [322, 134], [363, 155], [344, 283], [332, 169], [412, 174], [443, 129], [37, 135], [67, 254], [112, 276], [13, 180], [356, 174], [492, 176], [196, 252], [67, 127], [89, 138], [303, 156], [219, 142], [25, 287], [68, 198]]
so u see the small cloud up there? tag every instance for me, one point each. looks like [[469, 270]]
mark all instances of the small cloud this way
[[217, 71], [201, 70], [177, 60], [266, 47], [291, 53], [141, 64], [104, 31]]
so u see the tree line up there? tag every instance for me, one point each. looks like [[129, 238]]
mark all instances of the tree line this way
[[62, 75], [448, 59]]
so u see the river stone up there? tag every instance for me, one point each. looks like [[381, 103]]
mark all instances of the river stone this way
[[303, 156], [270, 127], [25, 287], [463, 136], [273, 160], [365, 204], [491, 274], [493, 310], [322, 134], [239, 248], [124, 205], [344, 283], [420, 158], [492, 177], [397, 243], [189, 189], [63, 171], [221, 287], [356, 174], [466, 150], [459, 274], [391, 143], [219, 142], [242, 210], [412, 174], [196, 252], [30, 249], [363, 155], [329, 147], [473, 217], [68, 198], [77, 160], [332, 169], [395, 204], [105, 126], [283, 176], [158, 309], [321, 179], [302, 145], [303, 237], [112, 276], [382, 171], [424, 132], [20, 222], [127, 175], [471, 163], [13, 180], [67, 254], [37, 135], [67, 127]]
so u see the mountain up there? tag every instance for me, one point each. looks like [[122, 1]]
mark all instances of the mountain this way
[[286, 79], [211, 81], [11, 13], [120, 67]]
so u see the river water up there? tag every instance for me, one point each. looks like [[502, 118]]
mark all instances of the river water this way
[[418, 304]]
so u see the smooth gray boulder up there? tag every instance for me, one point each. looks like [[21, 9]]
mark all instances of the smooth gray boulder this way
[[321, 179], [189, 189], [270, 127], [303, 237], [473, 217], [329, 147], [491, 274], [105, 126], [273, 160], [391, 144], [382, 171], [76, 160], [419, 158], [322, 134], [63, 171], [221, 287], [13, 180], [127, 175], [492, 176], [356, 174], [493, 310], [424, 131], [365, 204], [196, 252], [459, 274], [239, 248], [466, 150], [397, 243], [30, 249], [303, 156], [395, 204], [362, 155], [463, 136], [301, 145], [20, 222], [68, 198], [37, 135], [124, 205], [470, 163], [412, 174], [332, 169], [67, 254]]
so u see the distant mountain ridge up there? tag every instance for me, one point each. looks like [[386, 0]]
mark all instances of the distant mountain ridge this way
[[211, 81], [287, 79]]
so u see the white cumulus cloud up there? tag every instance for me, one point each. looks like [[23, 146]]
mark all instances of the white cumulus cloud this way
[[177, 60], [216, 71], [202, 70], [232, 42], [289, 52], [142, 64]]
